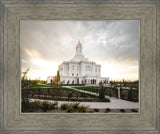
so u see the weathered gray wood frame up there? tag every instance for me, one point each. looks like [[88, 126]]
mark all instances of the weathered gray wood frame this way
[[15, 121]]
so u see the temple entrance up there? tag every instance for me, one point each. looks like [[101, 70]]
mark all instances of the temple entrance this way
[[82, 82], [93, 81], [85, 81], [77, 80]]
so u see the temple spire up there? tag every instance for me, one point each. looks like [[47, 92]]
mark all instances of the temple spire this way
[[79, 44], [79, 49], [79, 54]]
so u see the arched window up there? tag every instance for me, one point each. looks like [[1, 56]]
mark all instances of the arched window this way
[[68, 82], [72, 67]]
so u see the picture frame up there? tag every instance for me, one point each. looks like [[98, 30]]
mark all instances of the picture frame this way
[[13, 121]]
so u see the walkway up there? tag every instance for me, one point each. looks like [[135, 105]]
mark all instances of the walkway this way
[[114, 104], [99, 105]]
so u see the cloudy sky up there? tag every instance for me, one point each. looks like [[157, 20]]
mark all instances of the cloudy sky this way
[[113, 44]]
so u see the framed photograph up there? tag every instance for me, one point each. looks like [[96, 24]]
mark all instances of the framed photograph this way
[[52, 84], [80, 66]]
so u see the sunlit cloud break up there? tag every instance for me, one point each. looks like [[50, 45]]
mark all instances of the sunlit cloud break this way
[[113, 44]]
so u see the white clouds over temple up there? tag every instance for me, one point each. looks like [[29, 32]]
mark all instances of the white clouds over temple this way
[[79, 70], [112, 44]]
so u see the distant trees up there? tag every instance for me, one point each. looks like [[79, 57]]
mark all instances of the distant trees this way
[[57, 83], [24, 83], [51, 82], [24, 80]]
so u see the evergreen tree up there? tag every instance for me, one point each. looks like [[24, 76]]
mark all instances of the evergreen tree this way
[[58, 84], [102, 93], [130, 94], [57, 79]]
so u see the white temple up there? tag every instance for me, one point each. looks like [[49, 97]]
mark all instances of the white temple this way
[[79, 70]]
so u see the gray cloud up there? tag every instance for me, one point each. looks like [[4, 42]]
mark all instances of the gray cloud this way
[[103, 41]]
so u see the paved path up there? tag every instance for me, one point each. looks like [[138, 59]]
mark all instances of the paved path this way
[[114, 104], [99, 105]]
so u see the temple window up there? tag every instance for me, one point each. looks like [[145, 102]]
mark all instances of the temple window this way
[[77, 67], [72, 67]]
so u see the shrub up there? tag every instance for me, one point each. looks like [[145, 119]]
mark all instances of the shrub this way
[[106, 100], [53, 105], [70, 95], [25, 105], [96, 110], [82, 95], [75, 107], [102, 93], [64, 106], [70, 109], [130, 95], [123, 96], [36, 104], [107, 110], [133, 110], [122, 110], [46, 106], [84, 109]]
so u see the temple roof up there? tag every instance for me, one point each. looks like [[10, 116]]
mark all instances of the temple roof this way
[[79, 44]]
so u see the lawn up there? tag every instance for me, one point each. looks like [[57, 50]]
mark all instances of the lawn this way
[[73, 91], [39, 85], [90, 89], [69, 90]]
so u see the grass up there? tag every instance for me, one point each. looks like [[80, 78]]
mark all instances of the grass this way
[[41, 89], [90, 89], [69, 90], [74, 91], [81, 94], [38, 85]]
